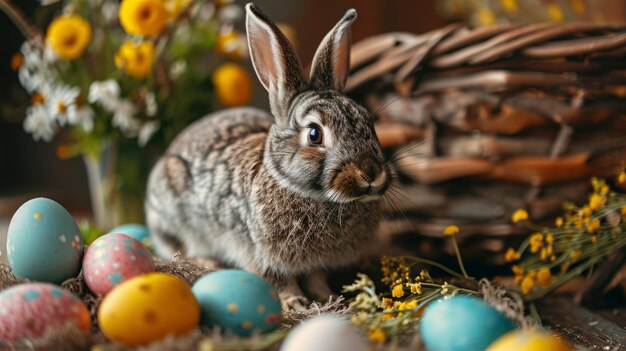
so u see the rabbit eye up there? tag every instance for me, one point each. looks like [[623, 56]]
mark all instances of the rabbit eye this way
[[315, 135]]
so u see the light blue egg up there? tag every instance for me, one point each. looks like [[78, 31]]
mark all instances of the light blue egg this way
[[44, 242], [137, 231], [462, 323], [238, 302]]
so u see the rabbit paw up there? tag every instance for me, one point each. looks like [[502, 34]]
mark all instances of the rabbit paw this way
[[294, 302]]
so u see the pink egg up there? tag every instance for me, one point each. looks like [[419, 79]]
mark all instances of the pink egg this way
[[112, 259], [28, 310]]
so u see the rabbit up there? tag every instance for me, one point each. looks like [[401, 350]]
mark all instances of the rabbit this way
[[284, 195]]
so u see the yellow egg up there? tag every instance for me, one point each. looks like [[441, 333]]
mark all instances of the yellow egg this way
[[232, 84], [530, 340], [147, 308]]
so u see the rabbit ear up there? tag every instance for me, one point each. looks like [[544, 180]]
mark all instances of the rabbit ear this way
[[274, 60], [331, 62]]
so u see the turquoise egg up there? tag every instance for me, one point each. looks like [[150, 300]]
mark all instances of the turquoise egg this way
[[237, 302], [44, 242], [462, 323], [137, 231]]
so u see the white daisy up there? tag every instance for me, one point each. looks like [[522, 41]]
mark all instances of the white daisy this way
[[123, 117], [147, 131], [177, 69], [60, 100], [39, 122], [105, 93], [151, 105], [81, 115], [110, 10]]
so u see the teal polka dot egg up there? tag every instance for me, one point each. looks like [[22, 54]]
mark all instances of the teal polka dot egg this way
[[44, 242], [238, 302], [462, 323], [137, 231]]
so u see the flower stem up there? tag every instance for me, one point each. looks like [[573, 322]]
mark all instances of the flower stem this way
[[458, 257], [18, 19]]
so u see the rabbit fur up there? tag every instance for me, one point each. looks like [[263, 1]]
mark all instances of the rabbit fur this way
[[257, 191]]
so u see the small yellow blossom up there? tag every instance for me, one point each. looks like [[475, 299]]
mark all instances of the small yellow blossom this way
[[519, 216], [136, 59], [559, 222], [532, 274], [555, 12], [585, 211], [549, 238], [544, 254], [596, 201], [486, 17], [451, 230], [544, 277], [17, 60], [69, 36], [416, 288], [517, 270], [575, 255], [527, 285], [143, 17], [593, 226], [509, 5], [377, 336], [232, 84], [594, 239], [605, 189], [511, 255], [621, 178], [623, 211], [397, 291], [536, 242], [552, 258]]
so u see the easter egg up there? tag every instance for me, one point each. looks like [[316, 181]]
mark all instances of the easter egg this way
[[44, 242], [112, 259], [147, 308], [325, 333], [29, 310], [462, 323], [238, 302], [137, 231], [530, 340]]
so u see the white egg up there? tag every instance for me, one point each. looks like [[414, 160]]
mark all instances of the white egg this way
[[325, 333]]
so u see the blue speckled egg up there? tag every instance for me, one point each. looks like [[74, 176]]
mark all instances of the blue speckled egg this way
[[137, 231], [44, 242], [238, 302], [462, 323]]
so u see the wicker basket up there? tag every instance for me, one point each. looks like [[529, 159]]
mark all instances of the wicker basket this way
[[484, 121]]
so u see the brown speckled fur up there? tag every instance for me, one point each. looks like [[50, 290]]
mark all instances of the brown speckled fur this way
[[245, 187]]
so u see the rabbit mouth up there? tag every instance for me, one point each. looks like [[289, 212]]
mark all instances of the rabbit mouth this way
[[350, 184]]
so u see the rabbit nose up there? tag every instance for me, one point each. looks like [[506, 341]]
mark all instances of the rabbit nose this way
[[372, 185]]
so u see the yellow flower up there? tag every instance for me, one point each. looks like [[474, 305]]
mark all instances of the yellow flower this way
[[377, 336], [387, 303], [527, 285], [536, 242], [575, 255], [596, 202], [517, 270], [519, 216], [549, 238], [135, 59], [605, 189], [544, 254], [544, 277], [593, 226], [143, 17], [17, 61], [594, 239], [586, 211], [397, 291], [232, 84], [231, 44], [511, 255], [416, 288], [69, 36], [486, 17], [621, 178], [509, 5], [451, 230], [559, 222], [623, 211], [555, 12]]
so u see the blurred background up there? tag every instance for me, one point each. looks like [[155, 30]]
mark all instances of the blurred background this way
[[31, 168]]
